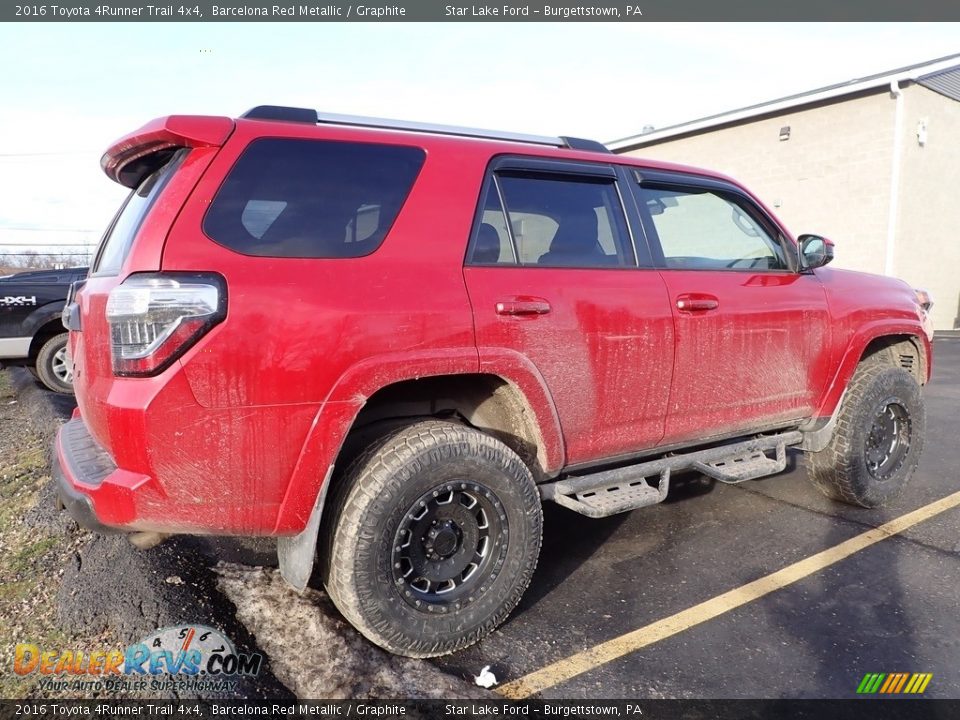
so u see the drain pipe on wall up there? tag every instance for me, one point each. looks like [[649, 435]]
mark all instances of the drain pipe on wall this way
[[894, 176]]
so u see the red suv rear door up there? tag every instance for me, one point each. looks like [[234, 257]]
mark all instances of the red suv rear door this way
[[553, 280], [752, 333]]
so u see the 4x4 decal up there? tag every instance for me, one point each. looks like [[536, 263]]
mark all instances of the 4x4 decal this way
[[18, 300]]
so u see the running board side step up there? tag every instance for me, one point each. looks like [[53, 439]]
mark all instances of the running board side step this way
[[622, 489]]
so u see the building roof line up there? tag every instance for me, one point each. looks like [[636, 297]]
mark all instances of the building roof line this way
[[850, 87]]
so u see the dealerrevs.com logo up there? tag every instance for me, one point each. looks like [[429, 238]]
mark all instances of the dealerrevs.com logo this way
[[182, 657]]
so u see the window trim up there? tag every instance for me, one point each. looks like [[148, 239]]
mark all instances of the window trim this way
[[495, 184], [642, 247], [527, 165], [680, 181], [548, 168]]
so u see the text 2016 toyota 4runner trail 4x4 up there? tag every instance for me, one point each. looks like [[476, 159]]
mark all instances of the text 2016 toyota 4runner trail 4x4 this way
[[398, 340]]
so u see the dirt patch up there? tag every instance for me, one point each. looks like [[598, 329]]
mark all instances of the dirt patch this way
[[110, 585], [317, 654], [62, 587], [36, 544]]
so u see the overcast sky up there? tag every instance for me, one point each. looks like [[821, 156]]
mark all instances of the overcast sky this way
[[69, 90]]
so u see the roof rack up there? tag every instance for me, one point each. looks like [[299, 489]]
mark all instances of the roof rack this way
[[575, 143], [312, 117]]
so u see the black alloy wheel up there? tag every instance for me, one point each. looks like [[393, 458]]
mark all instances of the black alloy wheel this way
[[888, 440], [450, 543]]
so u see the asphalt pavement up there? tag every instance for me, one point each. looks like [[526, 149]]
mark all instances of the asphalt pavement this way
[[892, 607]]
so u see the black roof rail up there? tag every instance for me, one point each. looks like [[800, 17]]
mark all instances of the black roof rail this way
[[284, 114], [312, 117], [575, 143]]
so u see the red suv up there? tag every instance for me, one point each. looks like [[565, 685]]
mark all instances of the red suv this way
[[397, 340]]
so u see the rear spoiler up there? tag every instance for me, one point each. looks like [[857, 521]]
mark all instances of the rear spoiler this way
[[133, 157]]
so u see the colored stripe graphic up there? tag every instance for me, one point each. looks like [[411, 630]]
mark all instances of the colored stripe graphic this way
[[891, 680], [903, 681], [918, 683], [894, 683]]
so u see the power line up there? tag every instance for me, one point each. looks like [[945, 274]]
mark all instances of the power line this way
[[30, 246], [40, 229], [51, 154]]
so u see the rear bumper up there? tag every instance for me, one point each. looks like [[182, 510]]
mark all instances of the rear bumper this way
[[78, 505], [93, 490]]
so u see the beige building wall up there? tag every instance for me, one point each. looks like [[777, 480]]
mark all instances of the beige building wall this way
[[835, 176], [832, 177], [928, 221]]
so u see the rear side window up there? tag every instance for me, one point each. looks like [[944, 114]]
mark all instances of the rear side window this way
[[117, 242], [552, 221], [312, 198]]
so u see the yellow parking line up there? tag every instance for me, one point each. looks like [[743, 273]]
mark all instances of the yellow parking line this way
[[605, 652]]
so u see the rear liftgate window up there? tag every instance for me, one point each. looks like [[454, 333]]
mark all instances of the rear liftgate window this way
[[312, 198], [116, 244]]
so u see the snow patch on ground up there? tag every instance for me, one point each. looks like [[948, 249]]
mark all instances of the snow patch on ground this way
[[316, 653]]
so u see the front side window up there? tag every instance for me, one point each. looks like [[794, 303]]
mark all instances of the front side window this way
[[702, 229], [552, 221], [312, 198]]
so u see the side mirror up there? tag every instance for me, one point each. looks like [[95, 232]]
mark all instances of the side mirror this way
[[815, 251]]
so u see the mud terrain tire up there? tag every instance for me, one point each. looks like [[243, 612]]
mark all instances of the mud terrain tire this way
[[877, 441], [433, 537]]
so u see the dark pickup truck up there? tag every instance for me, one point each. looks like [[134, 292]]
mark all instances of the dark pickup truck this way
[[31, 333]]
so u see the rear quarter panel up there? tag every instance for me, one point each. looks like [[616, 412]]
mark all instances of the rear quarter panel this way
[[90, 348], [296, 325], [307, 340]]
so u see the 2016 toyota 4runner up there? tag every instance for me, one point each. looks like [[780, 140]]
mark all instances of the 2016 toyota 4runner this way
[[397, 340]]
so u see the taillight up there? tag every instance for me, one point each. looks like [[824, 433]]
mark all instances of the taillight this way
[[154, 319]]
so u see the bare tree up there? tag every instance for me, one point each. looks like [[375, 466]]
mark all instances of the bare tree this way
[[34, 260]]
